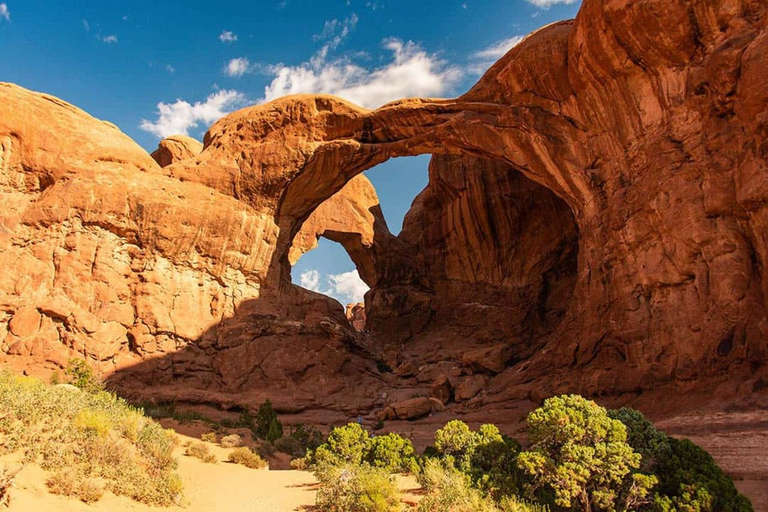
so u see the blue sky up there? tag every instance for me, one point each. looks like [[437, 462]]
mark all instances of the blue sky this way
[[164, 67]]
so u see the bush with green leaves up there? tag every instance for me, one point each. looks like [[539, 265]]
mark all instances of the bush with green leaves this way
[[81, 375], [267, 426], [451, 490], [392, 453], [486, 456], [309, 437], [291, 446], [90, 440], [356, 488], [345, 445], [689, 479], [351, 444], [581, 454]]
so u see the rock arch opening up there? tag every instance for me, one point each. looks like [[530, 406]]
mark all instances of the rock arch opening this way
[[486, 257]]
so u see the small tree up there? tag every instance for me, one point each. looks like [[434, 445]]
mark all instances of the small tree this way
[[581, 454], [81, 376], [345, 445], [267, 425], [487, 456], [391, 453]]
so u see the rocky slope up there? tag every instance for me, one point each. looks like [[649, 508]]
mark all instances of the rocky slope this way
[[595, 222]]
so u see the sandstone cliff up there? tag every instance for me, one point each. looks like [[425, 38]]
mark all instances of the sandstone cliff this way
[[595, 222]]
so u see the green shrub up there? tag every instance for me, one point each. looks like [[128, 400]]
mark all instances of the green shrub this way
[[266, 449], [290, 445], [81, 376], [449, 490], [688, 477], [392, 453], [267, 425], [690, 480], [247, 458], [202, 452], [486, 456], [95, 436], [300, 464], [309, 437], [356, 488], [580, 454], [345, 445], [516, 504]]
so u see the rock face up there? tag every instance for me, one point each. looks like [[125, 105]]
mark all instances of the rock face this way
[[596, 221], [176, 148], [356, 315]]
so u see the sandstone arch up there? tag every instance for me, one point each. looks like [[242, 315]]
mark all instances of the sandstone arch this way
[[648, 119]]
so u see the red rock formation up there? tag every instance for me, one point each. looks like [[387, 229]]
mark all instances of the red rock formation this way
[[595, 222], [356, 315], [176, 148]]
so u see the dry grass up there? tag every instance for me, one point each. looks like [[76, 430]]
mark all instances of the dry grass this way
[[92, 441], [202, 452], [247, 458], [231, 441]]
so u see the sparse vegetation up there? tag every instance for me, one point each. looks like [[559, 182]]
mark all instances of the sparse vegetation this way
[[81, 375], [247, 458], [202, 452], [210, 437], [356, 488], [68, 482], [7, 476], [268, 426], [290, 445], [231, 441], [92, 441]]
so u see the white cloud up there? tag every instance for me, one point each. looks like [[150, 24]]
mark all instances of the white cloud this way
[[4, 12], [346, 287], [86, 26], [412, 72], [546, 4], [170, 68], [237, 67], [111, 39], [483, 59], [335, 31], [177, 118], [227, 37], [310, 280], [499, 49]]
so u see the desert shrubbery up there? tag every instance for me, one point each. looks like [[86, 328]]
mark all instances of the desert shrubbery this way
[[200, 451], [582, 457], [351, 444], [101, 441], [69, 482], [356, 488], [247, 458], [231, 441]]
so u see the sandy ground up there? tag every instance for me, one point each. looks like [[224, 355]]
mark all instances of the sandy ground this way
[[221, 487]]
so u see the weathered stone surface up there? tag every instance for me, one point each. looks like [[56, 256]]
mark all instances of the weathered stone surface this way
[[596, 221], [441, 389], [412, 408], [469, 387], [176, 148], [356, 315]]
